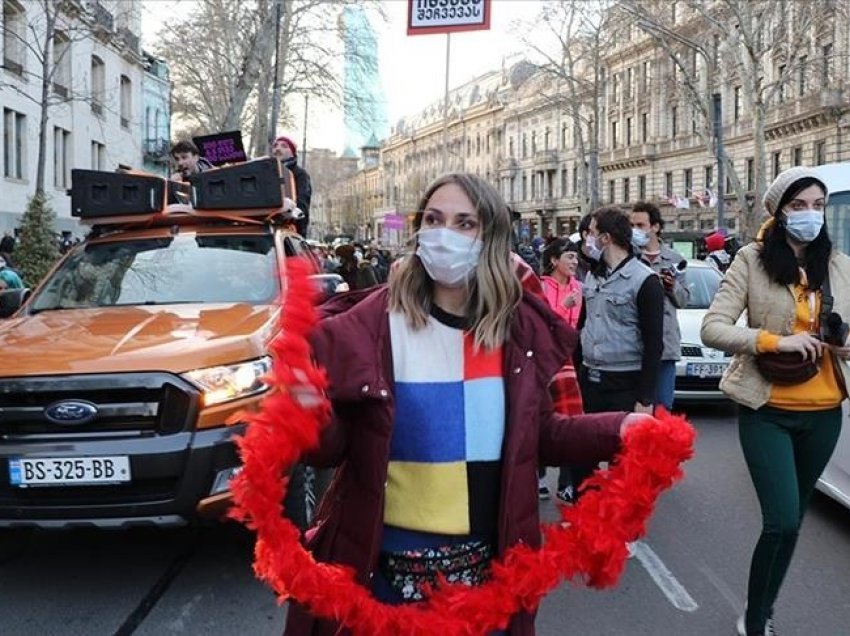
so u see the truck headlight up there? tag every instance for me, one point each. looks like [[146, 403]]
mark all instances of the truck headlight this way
[[231, 382]]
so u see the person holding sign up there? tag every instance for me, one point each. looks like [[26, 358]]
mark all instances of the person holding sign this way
[[285, 149]]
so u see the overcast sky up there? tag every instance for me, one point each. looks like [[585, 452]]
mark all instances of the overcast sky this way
[[412, 67]]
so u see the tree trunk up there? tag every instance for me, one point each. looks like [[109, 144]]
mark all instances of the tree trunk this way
[[46, 75], [258, 54]]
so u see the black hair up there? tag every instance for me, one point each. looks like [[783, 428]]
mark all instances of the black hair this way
[[584, 224], [778, 258], [616, 223], [554, 250], [184, 145], [652, 211]]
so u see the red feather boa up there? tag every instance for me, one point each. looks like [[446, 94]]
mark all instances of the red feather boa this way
[[589, 542]]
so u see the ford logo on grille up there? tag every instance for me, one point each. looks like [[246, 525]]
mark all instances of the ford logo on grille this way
[[71, 412]]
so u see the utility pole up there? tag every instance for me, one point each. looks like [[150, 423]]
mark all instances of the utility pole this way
[[275, 114], [304, 136], [717, 114]]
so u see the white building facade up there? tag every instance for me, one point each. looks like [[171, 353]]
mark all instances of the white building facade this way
[[95, 113]]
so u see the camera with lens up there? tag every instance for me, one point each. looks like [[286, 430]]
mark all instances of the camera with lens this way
[[834, 330]]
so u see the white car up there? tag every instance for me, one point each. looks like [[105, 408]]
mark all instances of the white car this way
[[698, 372]]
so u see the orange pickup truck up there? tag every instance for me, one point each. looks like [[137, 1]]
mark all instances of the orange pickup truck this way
[[124, 373]]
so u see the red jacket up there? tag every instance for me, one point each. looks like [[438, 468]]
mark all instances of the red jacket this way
[[353, 345]]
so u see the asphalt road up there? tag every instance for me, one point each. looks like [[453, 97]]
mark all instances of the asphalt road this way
[[687, 577]]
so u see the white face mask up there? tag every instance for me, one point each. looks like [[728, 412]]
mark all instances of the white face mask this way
[[449, 257], [639, 237], [804, 226], [594, 252]]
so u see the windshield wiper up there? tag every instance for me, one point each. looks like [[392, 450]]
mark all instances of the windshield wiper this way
[[38, 310]]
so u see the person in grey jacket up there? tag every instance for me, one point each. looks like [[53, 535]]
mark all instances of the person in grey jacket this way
[[647, 225]]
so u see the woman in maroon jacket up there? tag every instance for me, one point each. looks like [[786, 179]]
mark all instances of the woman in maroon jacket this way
[[441, 410]]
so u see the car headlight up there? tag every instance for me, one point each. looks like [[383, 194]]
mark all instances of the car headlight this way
[[225, 383]]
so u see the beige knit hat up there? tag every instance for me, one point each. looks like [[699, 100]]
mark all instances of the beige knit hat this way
[[785, 180]]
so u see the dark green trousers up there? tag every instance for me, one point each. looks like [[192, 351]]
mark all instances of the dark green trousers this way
[[786, 452]]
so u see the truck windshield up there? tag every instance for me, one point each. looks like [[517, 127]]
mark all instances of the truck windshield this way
[[180, 269]]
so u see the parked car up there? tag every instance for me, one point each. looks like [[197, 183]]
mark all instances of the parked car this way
[[698, 372], [835, 480]]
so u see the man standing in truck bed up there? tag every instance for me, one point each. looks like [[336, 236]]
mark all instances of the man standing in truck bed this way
[[284, 149]]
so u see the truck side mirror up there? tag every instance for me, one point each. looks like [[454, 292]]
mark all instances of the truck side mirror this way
[[11, 300]]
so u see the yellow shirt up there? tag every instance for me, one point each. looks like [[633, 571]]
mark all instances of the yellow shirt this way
[[821, 392]]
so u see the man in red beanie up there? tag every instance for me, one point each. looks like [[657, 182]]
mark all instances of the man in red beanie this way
[[718, 257], [285, 149]]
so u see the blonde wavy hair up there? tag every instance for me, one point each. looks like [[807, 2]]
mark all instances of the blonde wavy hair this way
[[494, 291]]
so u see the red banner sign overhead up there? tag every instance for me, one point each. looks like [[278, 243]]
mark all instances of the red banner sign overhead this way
[[447, 16]]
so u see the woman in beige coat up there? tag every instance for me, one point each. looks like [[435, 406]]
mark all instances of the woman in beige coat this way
[[787, 431]]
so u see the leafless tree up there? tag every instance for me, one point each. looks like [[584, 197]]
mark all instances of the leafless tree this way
[[569, 40], [221, 57], [761, 48], [47, 36]]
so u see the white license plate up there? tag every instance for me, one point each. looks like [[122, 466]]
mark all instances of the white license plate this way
[[69, 471], [705, 369]]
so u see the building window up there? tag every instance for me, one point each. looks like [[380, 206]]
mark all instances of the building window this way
[[14, 142], [630, 78], [626, 187], [668, 184], [533, 142], [777, 163], [738, 104], [628, 131], [781, 80], [802, 85], [563, 136], [126, 101], [798, 156], [613, 134], [61, 157], [611, 187], [750, 175], [820, 153], [708, 177], [564, 179], [14, 34], [615, 91], [826, 63], [689, 182], [575, 179], [510, 146], [644, 127], [477, 145], [98, 84], [546, 139], [674, 121], [524, 187], [61, 65], [731, 223], [524, 146], [647, 75], [706, 224]]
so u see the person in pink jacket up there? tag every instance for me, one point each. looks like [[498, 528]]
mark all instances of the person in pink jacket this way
[[562, 289], [563, 293]]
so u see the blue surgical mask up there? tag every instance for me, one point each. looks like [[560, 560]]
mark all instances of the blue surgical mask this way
[[594, 252], [804, 226], [640, 238]]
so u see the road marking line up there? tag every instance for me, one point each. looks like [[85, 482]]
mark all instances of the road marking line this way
[[664, 579]]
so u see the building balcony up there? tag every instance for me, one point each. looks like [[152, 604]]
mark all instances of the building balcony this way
[[546, 158], [507, 164], [103, 20], [156, 150]]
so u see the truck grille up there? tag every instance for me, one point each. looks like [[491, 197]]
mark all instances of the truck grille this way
[[128, 404]]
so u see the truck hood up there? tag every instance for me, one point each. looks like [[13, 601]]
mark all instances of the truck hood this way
[[173, 338]]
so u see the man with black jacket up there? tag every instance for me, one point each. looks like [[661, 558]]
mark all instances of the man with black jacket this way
[[285, 149]]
